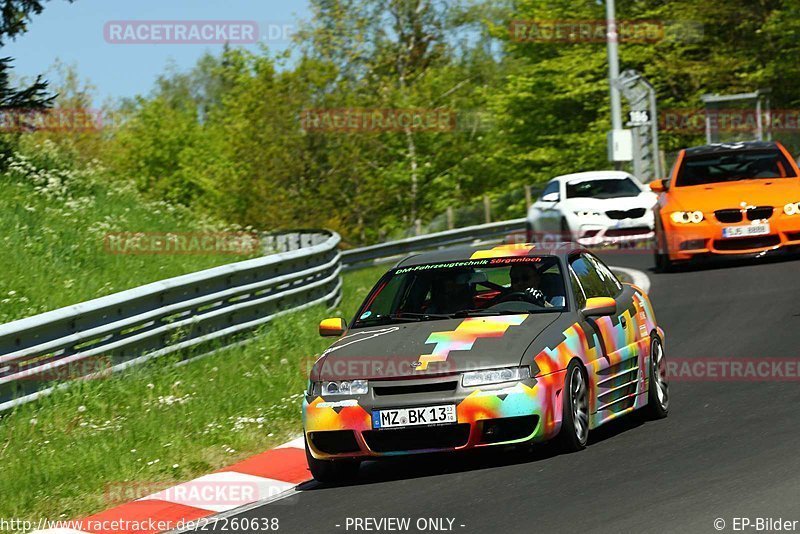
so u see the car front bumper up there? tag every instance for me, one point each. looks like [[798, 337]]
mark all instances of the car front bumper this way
[[687, 241], [525, 411], [603, 230]]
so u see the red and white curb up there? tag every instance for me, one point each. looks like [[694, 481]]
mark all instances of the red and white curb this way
[[264, 477]]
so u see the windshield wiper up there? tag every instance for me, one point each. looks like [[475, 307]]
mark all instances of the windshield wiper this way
[[405, 316], [476, 313], [421, 316]]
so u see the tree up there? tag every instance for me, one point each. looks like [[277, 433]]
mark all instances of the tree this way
[[14, 18]]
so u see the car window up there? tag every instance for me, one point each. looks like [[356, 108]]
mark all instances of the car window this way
[[593, 284], [611, 188], [483, 287], [552, 187], [612, 283], [580, 299], [732, 165]]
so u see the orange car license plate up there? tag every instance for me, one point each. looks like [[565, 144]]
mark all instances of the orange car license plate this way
[[745, 231]]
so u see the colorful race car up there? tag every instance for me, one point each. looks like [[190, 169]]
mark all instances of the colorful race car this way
[[741, 198], [473, 347]]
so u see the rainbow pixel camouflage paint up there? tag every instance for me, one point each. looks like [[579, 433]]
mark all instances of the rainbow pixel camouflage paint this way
[[450, 354]]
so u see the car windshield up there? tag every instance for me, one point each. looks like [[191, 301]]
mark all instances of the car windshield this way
[[468, 288], [612, 188], [730, 166]]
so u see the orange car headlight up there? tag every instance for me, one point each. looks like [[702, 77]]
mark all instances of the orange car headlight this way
[[792, 208], [686, 217]]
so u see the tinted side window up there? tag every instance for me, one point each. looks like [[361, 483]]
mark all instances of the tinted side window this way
[[591, 281], [576, 288], [552, 187], [611, 282]]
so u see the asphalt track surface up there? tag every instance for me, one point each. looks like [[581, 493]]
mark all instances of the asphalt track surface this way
[[727, 449]]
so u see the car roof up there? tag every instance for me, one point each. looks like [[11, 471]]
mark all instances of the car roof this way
[[728, 147], [463, 253], [593, 175]]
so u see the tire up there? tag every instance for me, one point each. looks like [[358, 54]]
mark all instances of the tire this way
[[332, 471], [663, 263], [658, 390], [574, 432]]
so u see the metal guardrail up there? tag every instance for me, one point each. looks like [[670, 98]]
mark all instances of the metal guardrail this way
[[303, 269], [384, 252], [133, 326]]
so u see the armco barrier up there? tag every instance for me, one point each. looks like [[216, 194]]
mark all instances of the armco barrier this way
[[303, 269], [386, 251], [132, 326]]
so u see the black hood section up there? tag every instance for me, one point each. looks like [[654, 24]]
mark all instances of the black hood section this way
[[394, 351]]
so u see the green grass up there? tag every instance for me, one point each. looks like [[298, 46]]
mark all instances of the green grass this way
[[53, 224], [65, 456], [70, 454]]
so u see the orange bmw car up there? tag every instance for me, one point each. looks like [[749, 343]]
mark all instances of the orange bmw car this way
[[727, 199]]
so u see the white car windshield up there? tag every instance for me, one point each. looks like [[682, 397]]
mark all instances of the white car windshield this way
[[609, 188]]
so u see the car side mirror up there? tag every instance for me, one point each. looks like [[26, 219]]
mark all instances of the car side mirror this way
[[658, 186], [599, 307], [551, 197], [332, 327]]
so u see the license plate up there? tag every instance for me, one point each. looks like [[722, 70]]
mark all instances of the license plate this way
[[425, 415], [745, 231]]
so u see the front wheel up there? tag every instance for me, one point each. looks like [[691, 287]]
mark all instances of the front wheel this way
[[575, 415], [661, 259], [663, 263], [658, 392], [331, 471]]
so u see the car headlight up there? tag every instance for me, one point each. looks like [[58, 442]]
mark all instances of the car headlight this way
[[687, 217], [792, 208], [587, 213], [495, 376], [345, 387]]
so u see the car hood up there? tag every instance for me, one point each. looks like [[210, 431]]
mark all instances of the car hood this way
[[414, 350], [731, 195], [643, 200]]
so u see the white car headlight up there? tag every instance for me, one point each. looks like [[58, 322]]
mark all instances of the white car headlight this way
[[345, 387], [792, 208], [687, 217], [587, 213], [495, 376]]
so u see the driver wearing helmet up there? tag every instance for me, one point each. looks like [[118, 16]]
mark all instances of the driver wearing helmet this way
[[527, 279]]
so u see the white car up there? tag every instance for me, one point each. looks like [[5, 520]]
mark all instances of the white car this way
[[593, 208]]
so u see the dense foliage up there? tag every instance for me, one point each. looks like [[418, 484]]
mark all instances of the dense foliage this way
[[229, 139]]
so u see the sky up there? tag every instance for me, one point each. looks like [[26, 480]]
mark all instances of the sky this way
[[74, 34]]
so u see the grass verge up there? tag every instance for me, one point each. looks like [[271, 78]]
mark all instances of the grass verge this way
[[68, 455], [53, 225]]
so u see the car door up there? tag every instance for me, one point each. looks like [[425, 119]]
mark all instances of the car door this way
[[618, 376]]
